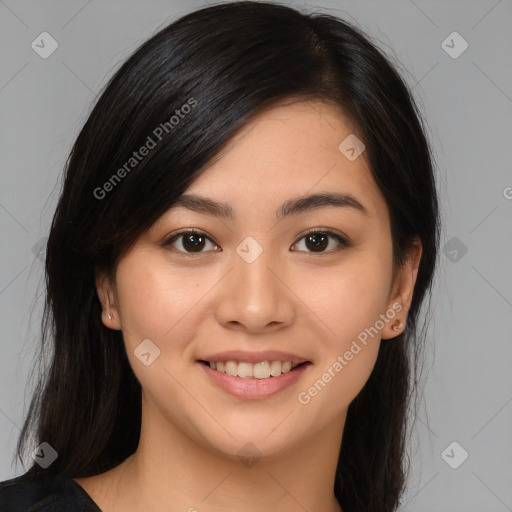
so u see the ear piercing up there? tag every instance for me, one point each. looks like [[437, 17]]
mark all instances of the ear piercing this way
[[397, 326], [109, 316]]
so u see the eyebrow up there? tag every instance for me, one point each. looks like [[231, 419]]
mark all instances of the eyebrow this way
[[291, 207]]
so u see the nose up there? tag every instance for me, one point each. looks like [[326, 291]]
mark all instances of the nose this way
[[254, 297]]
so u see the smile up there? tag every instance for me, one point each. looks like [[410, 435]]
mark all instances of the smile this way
[[253, 381]]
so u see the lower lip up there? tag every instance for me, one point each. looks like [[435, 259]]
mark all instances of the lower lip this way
[[254, 389]]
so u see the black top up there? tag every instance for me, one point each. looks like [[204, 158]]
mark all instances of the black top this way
[[44, 494]]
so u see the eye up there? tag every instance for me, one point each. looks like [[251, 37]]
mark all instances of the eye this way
[[320, 241], [191, 241]]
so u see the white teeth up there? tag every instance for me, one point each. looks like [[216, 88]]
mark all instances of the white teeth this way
[[231, 368], [275, 368], [261, 370], [245, 370]]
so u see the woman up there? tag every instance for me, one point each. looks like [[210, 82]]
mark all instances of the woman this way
[[246, 233]]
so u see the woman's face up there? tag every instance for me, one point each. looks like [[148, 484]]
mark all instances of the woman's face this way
[[254, 285]]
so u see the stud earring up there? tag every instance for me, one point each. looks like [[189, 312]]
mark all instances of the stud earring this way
[[397, 326], [109, 316]]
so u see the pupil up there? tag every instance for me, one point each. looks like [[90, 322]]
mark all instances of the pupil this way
[[319, 241], [190, 240]]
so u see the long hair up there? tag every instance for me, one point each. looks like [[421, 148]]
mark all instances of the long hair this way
[[189, 89]]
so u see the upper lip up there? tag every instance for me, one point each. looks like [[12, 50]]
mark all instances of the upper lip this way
[[253, 357]]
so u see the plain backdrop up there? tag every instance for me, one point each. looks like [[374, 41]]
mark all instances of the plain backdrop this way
[[466, 97]]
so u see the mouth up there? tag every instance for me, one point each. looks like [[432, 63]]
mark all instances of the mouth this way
[[253, 376]]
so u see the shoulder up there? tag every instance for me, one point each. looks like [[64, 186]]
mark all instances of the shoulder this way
[[53, 493]]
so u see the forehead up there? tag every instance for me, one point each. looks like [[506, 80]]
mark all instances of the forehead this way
[[290, 150]]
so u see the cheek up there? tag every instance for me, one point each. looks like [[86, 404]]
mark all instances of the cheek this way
[[155, 302], [161, 303], [349, 301], [349, 297]]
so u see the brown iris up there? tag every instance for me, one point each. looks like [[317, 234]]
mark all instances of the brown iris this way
[[195, 242], [317, 241]]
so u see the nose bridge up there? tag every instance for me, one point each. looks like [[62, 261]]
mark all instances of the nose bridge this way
[[254, 296], [256, 280]]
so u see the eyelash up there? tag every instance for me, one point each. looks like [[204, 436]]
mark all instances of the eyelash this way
[[343, 242]]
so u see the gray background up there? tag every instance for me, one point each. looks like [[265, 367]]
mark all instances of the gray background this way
[[468, 104]]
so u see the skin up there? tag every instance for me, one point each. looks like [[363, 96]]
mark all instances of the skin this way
[[312, 304]]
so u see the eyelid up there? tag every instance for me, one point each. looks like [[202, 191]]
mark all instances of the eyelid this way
[[184, 231]]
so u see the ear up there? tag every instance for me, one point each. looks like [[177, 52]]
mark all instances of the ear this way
[[106, 294], [402, 291]]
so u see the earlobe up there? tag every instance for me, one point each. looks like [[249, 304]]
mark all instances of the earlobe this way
[[106, 296], [397, 326], [394, 327], [402, 292]]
